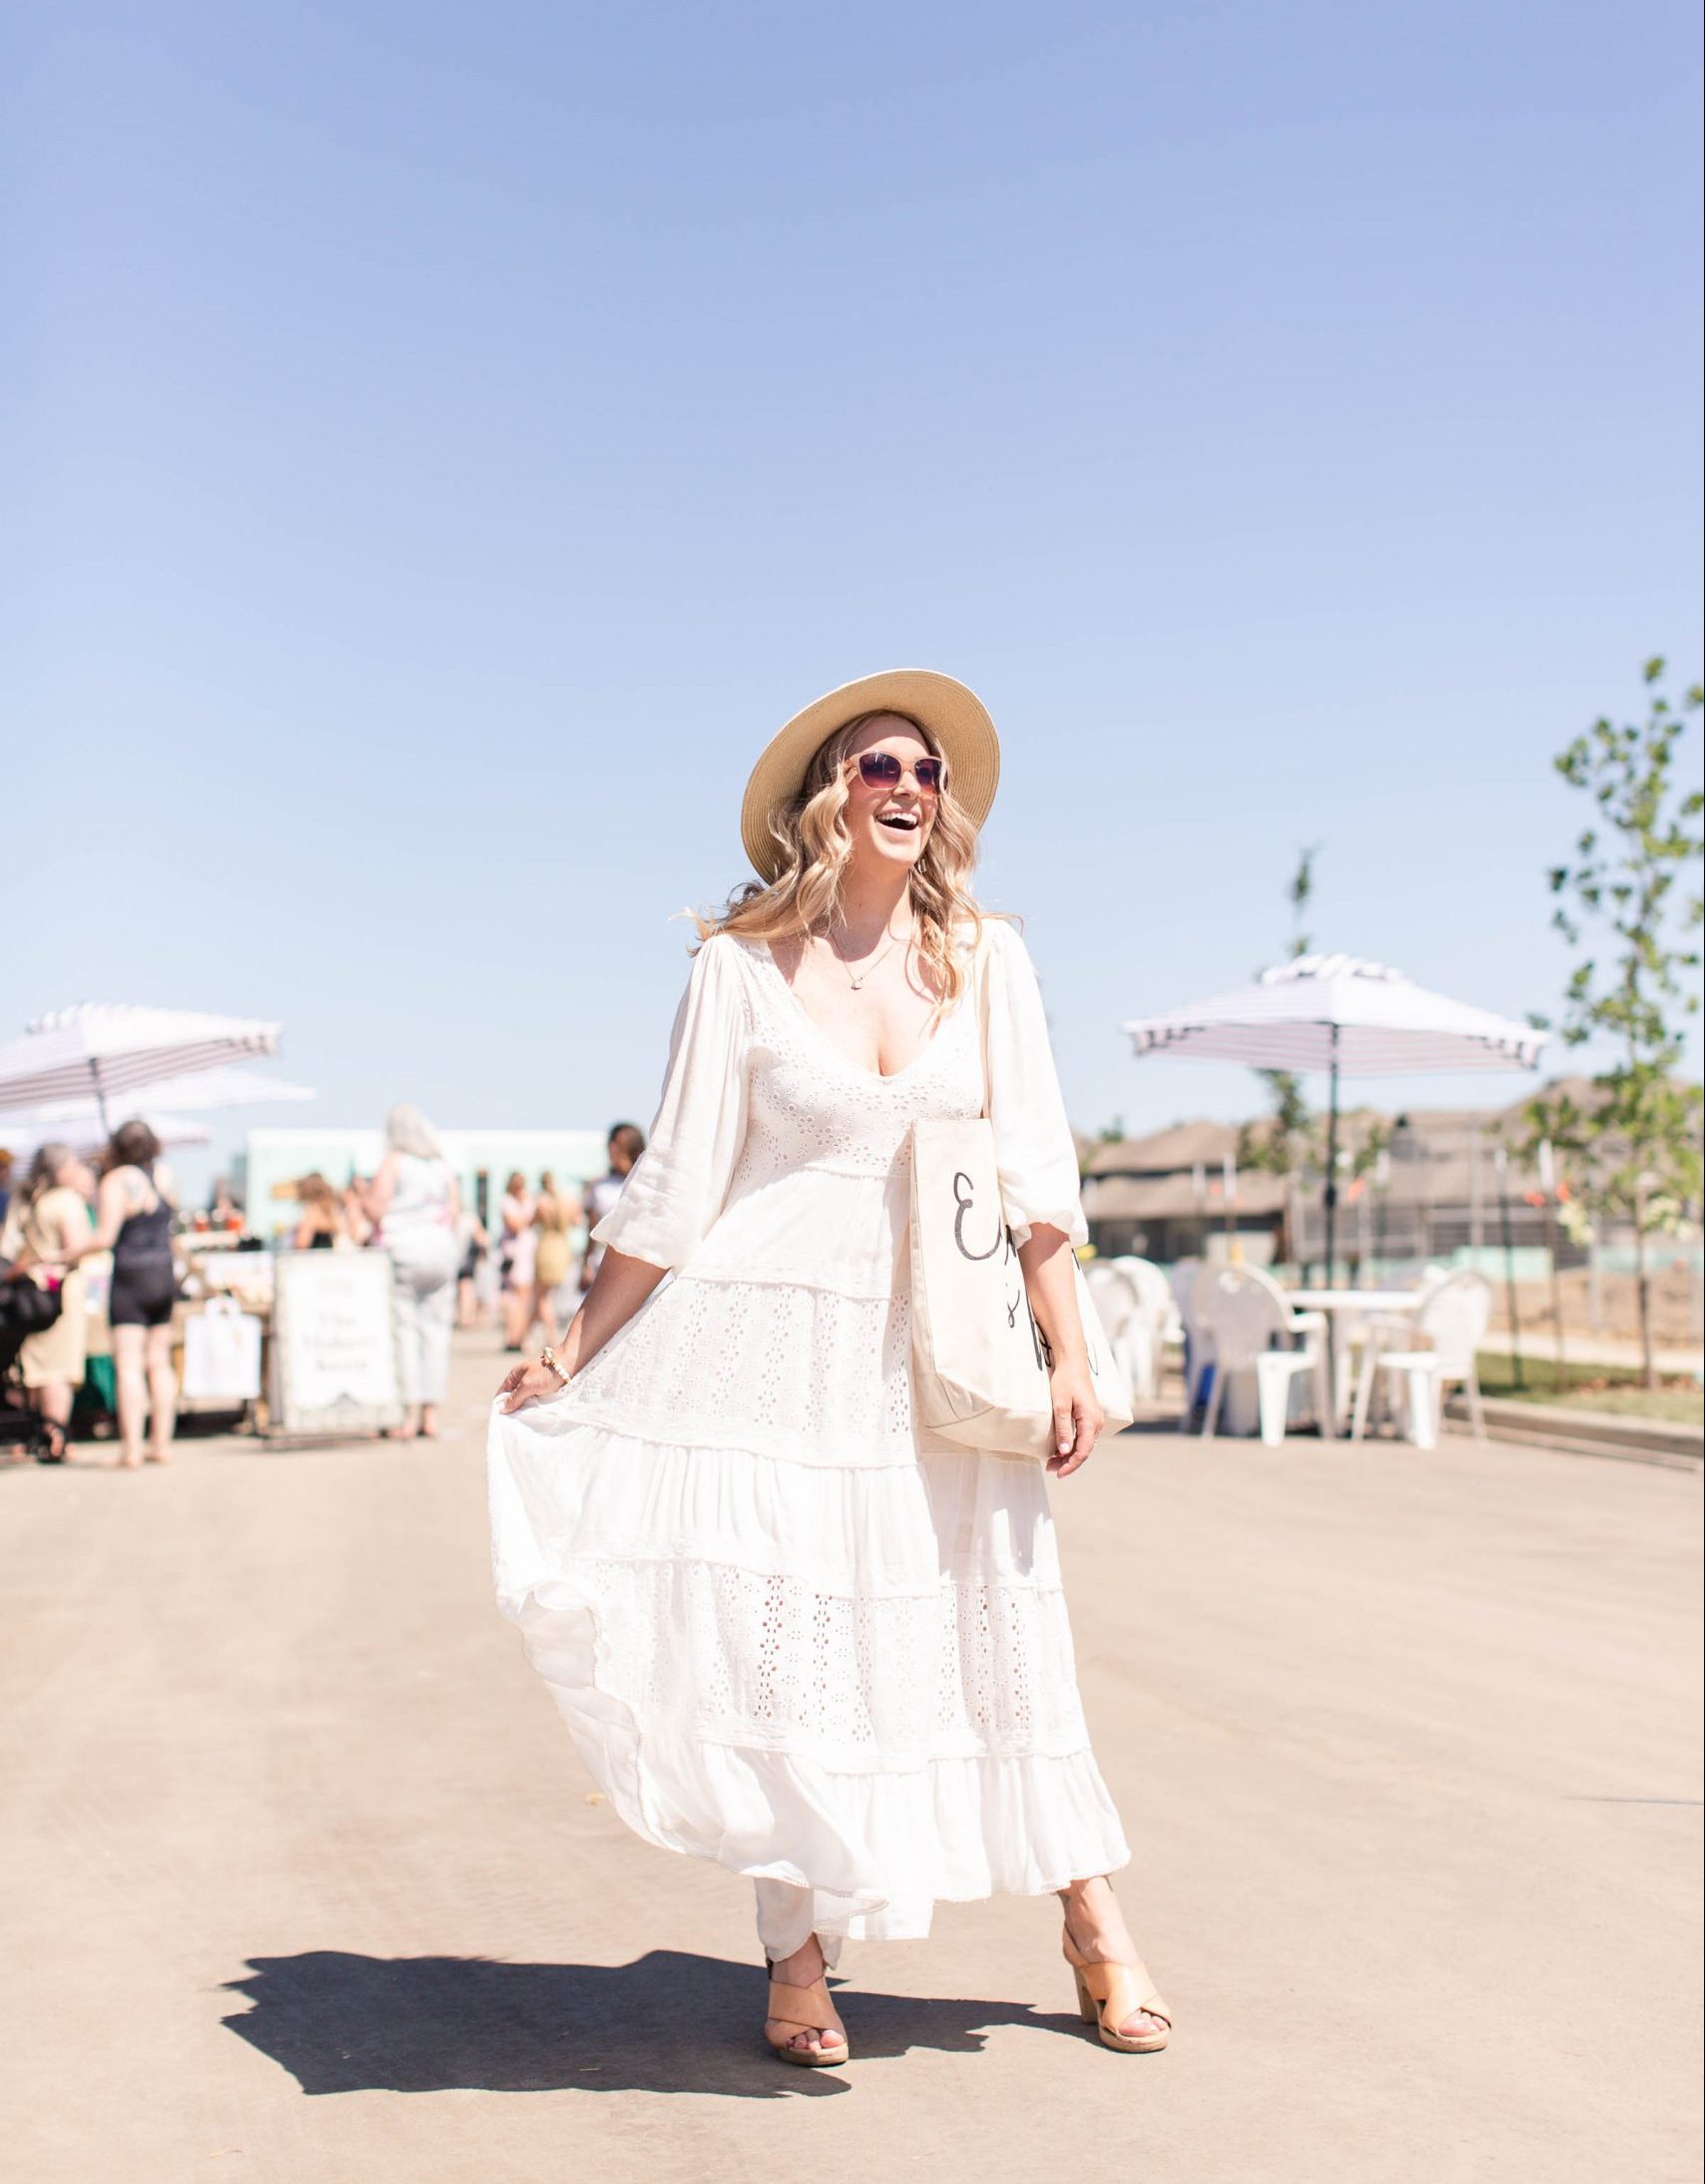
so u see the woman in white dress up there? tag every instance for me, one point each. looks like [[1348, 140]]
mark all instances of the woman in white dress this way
[[787, 1629], [417, 1201]]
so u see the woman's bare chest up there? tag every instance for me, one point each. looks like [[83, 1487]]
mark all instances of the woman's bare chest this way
[[881, 1021]]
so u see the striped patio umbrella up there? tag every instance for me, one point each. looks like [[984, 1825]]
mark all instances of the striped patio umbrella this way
[[101, 1049], [1348, 1017]]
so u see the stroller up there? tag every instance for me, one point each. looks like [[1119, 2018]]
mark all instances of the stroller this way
[[25, 1310]]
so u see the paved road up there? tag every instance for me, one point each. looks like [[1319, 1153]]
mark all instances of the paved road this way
[[302, 1884]]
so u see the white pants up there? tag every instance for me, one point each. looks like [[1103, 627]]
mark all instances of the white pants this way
[[425, 1298], [785, 1918]]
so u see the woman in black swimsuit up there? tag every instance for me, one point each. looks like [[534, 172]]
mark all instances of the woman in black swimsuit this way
[[134, 1215]]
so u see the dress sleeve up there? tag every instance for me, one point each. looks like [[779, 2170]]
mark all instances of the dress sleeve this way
[[1033, 1143], [680, 1181]]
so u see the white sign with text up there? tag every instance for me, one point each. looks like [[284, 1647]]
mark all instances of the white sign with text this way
[[333, 1362]]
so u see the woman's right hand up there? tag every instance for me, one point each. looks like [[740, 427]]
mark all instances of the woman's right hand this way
[[526, 1383]]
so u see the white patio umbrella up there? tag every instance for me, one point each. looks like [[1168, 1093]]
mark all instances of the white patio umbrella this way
[[102, 1048], [1346, 1016]]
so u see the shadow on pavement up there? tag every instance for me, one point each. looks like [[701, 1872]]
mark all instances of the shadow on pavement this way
[[667, 2023]]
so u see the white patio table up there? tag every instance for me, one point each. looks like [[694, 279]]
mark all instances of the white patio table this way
[[1361, 1301]]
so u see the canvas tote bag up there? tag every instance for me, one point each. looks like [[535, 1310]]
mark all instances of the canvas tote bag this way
[[221, 1352], [979, 1362]]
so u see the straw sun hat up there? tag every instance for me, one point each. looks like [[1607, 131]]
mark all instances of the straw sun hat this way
[[956, 718]]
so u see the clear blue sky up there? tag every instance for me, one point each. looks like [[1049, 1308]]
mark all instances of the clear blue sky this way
[[446, 442]]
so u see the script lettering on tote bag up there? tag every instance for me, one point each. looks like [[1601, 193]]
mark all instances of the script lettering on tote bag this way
[[1017, 1298], [963, 1191]]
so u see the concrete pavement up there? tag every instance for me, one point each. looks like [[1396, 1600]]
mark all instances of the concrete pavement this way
[[301, 1881]]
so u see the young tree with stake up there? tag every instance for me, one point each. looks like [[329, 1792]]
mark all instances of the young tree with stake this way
[[1631, 894]]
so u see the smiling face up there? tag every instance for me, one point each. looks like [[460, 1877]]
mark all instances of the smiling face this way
[[889, 824]]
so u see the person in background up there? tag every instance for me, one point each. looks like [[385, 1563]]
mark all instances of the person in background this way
[[222, 1210], [321, 1223], [416, 1203], [133, 1211], [475, 1249], [5, 1183], [552, 1216], [626, 1144], [47, 1218], [516, 1260], [359, 1225]]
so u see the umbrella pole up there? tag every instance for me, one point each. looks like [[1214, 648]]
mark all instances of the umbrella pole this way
[[100, 1096], [1332, 1172], [1330, 1426], [1501, 1158]]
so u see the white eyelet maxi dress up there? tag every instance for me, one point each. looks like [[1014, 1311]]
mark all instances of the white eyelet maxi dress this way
[[788, 1630]]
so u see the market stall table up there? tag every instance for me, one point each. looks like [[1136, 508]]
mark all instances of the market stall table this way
[[223, 1322]]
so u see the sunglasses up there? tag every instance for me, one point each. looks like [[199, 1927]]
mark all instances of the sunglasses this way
[[882, 769]]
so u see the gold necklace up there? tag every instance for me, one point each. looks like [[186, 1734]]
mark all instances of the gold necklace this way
[[895, 940]]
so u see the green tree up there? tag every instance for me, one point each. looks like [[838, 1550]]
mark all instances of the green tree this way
[[1629, 902], [1280, 1143]]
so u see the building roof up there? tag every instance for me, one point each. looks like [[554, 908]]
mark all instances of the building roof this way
[[1175, 1197], [1165, 1151], [1434, 1133], [1446, 1159]]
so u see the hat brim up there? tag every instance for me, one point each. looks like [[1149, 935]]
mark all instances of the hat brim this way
[[955, 717]]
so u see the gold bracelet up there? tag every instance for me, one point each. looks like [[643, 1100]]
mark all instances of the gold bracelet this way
[[548, 1356]]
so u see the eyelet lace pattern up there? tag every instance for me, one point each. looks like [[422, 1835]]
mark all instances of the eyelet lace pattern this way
[[787, 1630]]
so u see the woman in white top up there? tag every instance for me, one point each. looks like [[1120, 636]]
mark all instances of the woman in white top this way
[[789, 1629], [416, 1202], [624, 1145]]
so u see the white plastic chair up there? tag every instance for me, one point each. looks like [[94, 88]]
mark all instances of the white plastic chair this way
[[1367, 1332], [1452, 1323], [1155, 1289], [1302, 1323], [1245, 1310], [1121, 1312], [1160, 1323], [1197, 1341], [1314, 1326]]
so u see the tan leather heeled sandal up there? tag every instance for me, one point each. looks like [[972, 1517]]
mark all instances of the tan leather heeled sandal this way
[[1109, 1994], [804, 2009]]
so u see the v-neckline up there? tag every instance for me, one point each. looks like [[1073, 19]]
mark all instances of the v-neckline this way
[[859, 1069]]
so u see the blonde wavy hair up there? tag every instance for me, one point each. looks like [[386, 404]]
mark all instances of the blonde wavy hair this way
[[406, 1130], [816, 846]]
